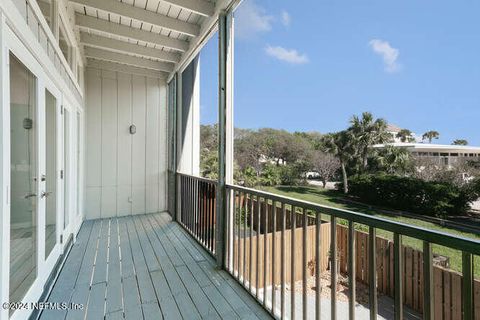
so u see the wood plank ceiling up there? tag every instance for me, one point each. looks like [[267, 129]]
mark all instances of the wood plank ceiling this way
[[148, 35]]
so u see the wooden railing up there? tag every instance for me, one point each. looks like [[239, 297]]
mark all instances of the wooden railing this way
[[197, 208], [274, 245]]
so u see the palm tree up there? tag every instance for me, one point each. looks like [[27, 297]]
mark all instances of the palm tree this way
[[341, 145], [394, 160], [430, 135], [460, 142], [367, 132], [405, 135]]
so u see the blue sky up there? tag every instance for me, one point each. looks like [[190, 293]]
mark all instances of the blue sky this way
[[310, 65]]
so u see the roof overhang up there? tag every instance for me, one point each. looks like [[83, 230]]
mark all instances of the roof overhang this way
[[158, 37]]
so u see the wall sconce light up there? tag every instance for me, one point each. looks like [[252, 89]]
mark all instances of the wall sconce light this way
[[27, 123], [133, 129]]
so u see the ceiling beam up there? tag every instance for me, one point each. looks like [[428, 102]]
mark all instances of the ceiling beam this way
[[117, 67], [126, 59], [129, 32], [200, 7], [139, 14], [126, 47]]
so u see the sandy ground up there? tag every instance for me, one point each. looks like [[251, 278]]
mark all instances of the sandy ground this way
[[385, 304]]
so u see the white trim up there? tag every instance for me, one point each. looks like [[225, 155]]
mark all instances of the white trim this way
[[142, 15]]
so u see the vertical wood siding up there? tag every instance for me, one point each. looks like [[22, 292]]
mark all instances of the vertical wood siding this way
[[125, 173]]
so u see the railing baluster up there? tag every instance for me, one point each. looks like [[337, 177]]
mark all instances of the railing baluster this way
[[259, 229], [250, 263], [274, 230], [213, 217], [428, 295], [351, 270], [245, 239], [234, 233], [207, 216], [467, 285], [333, 266], [304, 264], [372, 270], [239, 219], [265, 255], [195, 208], [318, 265], [283, 267], [293, 226], [190, 203], [398, 270], [200, 212]]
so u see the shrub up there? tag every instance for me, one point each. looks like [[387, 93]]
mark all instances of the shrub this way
[[414, 195]]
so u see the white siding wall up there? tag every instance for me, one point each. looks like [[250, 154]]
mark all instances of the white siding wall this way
[[126, 174]]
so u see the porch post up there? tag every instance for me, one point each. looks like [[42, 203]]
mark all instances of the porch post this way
[[225, 132]]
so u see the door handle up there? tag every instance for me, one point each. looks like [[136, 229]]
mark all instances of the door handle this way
[[45, 194], [30, 195]]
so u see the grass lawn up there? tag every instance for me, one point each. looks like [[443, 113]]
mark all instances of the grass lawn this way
[[333, 199]]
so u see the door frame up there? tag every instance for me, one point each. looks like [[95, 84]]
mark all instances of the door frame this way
[[10, 43]]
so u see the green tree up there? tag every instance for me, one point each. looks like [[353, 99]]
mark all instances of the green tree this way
[[368, 131], [405, 135], [430, 135], [394, 160], [460, 142], [341, 145]]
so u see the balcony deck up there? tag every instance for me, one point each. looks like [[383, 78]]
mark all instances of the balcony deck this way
[[146, 267]]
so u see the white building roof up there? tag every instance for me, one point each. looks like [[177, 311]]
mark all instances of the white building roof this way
[[430, 147]]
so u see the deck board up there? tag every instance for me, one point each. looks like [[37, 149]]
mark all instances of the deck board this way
[[146, 267]]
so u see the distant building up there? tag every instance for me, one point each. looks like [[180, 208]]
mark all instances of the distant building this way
[[444, 154], [394, 130]]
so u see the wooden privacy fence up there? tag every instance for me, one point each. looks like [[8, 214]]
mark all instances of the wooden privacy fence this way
[[250, 272], [447, 283]]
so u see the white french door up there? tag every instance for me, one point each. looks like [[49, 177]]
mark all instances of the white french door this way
[[34, 160]]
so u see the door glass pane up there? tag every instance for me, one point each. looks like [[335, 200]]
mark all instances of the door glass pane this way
[[23, 159], [66, 181], [51, 173]]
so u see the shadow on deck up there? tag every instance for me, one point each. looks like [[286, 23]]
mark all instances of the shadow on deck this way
[[146, 267]]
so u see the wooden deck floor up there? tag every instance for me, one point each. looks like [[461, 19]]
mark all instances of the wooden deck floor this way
[[146, 267]]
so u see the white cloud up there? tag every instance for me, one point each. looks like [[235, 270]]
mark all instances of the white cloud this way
[[251, 19], [388, 54], [287, 55], [286, 19]]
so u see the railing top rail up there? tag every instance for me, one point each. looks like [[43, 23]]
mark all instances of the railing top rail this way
[[198, 178], [441, 238]]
